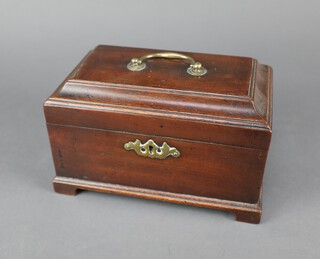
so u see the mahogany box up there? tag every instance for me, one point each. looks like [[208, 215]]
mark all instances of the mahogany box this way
[[187, 128]]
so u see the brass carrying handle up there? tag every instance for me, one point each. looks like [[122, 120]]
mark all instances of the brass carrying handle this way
[[195, 68]]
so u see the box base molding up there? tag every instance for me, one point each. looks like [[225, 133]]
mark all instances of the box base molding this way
[[245, 212]]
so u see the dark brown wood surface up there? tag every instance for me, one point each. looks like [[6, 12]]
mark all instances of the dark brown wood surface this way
[[226, 74], [203, 169], [221, 123], [244, 212]]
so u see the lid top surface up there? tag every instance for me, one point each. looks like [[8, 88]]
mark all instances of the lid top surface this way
[[227, 75], [236, 91]]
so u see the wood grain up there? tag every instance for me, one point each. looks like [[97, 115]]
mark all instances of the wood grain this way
[[203, 169]]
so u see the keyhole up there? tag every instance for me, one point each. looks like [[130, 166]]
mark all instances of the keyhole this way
[[150, 149]]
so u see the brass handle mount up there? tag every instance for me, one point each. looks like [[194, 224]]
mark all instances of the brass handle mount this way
[[195, 68]]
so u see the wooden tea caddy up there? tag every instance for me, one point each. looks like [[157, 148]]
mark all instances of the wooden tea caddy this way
[[180, 127]]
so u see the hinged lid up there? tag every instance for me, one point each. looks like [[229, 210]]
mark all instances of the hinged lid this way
[[230, 104]]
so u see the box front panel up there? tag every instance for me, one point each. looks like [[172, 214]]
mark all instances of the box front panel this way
[[202, 169]]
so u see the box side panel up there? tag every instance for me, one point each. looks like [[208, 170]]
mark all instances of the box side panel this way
[[262, 94], [203, 169]]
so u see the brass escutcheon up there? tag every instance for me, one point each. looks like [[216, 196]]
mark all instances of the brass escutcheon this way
[[152, 150]]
